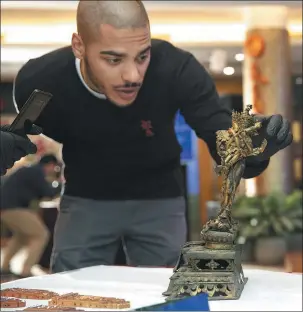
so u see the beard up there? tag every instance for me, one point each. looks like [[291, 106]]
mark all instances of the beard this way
[[93, 82]]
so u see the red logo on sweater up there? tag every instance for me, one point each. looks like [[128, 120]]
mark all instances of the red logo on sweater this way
[[147, 127]]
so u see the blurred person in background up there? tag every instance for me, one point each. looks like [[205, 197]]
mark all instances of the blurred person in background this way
[[18, 190], [49, 212], [15, 146], [116, 94]]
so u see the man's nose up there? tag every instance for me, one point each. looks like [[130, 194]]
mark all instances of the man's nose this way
[[131, 74]]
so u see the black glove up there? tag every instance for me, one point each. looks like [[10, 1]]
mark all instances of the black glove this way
[[29, 129], [277, 131], [15, 146]]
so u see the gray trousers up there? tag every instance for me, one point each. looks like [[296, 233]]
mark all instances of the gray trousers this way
[[89, 232]]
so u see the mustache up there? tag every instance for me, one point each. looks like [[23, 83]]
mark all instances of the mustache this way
[[129, 85]]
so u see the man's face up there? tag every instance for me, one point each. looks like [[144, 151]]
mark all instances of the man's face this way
[[117, 62]]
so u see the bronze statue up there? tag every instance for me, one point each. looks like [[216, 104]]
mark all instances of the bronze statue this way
[[233, 146], [213, 265]]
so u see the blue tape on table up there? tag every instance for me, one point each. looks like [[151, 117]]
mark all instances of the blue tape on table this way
[[195, 303]]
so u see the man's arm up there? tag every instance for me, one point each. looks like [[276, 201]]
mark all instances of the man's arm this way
[[28, 79], [199, 104]]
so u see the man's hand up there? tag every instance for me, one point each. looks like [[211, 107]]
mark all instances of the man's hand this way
[[15, 146], [277, 131], [29, 129]]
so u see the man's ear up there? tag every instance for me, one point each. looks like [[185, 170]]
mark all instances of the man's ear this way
[[78, 46]]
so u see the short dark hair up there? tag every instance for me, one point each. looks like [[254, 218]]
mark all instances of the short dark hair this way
[[48, 159], [119, 14]]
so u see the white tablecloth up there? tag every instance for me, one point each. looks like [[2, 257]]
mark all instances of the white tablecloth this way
[[264, 291]]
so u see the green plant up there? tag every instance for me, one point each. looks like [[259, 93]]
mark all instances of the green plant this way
[[272, 215]]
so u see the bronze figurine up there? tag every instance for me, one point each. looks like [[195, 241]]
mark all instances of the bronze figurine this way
[[213, 265]]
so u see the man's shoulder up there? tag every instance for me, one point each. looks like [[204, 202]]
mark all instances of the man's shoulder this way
[[167, 60], [44, 72], [47, 65], [165, 52]]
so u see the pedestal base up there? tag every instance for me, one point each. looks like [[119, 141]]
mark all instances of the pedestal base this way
[[200, 270]]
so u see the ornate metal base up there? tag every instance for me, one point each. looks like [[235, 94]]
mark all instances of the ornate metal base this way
[[213, 271]]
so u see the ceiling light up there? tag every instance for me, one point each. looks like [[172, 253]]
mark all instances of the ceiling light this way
[[177, 33], [21, 55], [228, 71], [57, 5], [239, 57], [41, 34]]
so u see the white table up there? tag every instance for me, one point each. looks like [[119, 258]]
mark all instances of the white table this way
[[264, 291]]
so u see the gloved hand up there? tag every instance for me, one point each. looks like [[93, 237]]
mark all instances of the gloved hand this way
[[29, 129], [15, 146], [277, 131]]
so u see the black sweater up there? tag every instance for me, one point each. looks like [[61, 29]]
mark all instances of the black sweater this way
[[107, 153]]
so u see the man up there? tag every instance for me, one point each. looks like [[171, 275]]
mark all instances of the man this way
[[116, 94], [15, 146], [18, 190]]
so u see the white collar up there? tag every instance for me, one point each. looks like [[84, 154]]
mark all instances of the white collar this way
[[96, 94]]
